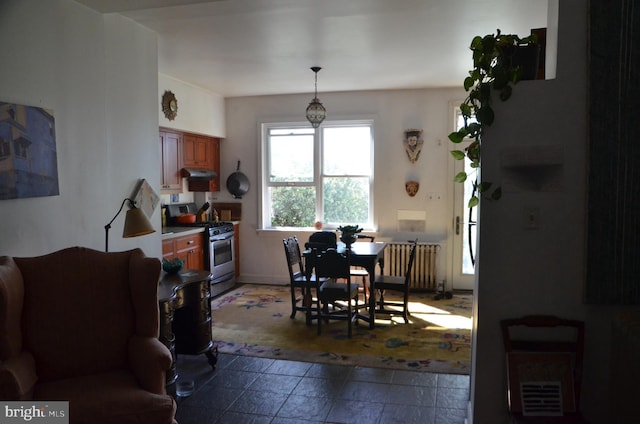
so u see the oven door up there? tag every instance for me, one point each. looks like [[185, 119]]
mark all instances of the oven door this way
[[221, 258]]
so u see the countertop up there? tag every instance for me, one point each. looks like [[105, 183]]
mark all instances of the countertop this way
[[171, 232]]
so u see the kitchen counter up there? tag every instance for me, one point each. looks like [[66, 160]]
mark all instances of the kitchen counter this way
[[171, 232]]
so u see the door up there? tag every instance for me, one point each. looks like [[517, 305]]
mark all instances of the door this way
[[464, 233], [464, 219]]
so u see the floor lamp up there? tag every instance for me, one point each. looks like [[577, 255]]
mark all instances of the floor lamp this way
[[135, 223]]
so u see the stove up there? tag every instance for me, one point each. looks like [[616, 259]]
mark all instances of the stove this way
[[219, 253]]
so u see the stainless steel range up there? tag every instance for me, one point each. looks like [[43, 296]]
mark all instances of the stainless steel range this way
[[219, 253]]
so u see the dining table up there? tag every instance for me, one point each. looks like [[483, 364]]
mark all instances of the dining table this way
[[366, 255]]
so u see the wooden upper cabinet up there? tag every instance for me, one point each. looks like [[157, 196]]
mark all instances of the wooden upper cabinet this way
[[187, 150], [171, 143], [196, 151]]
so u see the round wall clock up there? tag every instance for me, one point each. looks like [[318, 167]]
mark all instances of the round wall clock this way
[[169, 105]]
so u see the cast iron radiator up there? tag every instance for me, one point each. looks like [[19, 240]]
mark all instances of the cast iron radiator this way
[[423, 274]]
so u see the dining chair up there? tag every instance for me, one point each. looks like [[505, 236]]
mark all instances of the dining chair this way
[[302, 285], [360, 272], [343, 296], [322, 240], [544, 351], [386, 283]]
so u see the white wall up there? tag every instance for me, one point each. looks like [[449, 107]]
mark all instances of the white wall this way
[[539, 271], [99, 75], [393, 111], [199, 110]]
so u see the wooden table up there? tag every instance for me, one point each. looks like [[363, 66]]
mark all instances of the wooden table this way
[[366, 255]]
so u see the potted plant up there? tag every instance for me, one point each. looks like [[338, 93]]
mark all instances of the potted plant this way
[[497, 66], [349, 234]]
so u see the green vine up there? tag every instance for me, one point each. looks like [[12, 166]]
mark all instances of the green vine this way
[[493, 70]]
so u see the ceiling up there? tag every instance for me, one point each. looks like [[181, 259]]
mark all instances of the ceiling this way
[[264, 47]]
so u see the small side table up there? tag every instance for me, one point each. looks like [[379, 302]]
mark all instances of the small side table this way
[[185, 316]]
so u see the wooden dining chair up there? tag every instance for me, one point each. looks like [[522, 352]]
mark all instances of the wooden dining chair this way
[[336, 267], [546, 353], [304, 288], [360, 272], [387, 283]]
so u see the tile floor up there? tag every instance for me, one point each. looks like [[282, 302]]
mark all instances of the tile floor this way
[[259, 390]]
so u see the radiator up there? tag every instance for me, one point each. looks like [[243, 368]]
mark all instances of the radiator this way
[[423, 274]]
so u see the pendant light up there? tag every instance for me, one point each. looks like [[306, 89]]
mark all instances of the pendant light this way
[[315, 111]]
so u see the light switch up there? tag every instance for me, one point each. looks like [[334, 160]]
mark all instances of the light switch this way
[[532, 218]]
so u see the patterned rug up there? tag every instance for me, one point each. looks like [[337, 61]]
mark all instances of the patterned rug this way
[[253, 320]]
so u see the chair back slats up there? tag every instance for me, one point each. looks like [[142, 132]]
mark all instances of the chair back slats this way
[[331, 264], [412, 258], [294, 257], [322, 240]]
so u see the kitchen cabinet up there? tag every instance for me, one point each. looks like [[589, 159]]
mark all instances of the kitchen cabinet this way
[[196, 151], [188, 150], [171, 143], [189, 248], [205, 152]]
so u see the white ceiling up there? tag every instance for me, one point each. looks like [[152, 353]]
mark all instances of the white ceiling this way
[[260, 47]]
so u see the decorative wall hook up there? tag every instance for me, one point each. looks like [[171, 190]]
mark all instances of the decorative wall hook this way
[[413, 144], [412, 187]]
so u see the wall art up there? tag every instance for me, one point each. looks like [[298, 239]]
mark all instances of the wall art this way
[[28, 154], [146, 198], [413, 144], [412, 187]]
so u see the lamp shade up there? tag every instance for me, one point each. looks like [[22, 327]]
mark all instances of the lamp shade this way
[[136, 224], [316, 113]]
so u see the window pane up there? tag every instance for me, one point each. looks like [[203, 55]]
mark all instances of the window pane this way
[[346, 200], [293, 206], [291, 158], [347, 151]]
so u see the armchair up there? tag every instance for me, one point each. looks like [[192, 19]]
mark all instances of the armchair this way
[[81, 326]]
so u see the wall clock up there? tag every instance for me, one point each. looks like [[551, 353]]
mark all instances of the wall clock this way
[[169, 105]]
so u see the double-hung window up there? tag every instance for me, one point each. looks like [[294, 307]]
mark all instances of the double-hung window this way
[[317, 175]]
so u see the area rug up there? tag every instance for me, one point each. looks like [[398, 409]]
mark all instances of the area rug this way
[[254, 320]]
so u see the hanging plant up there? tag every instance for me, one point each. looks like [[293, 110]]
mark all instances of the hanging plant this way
[[497, 67]]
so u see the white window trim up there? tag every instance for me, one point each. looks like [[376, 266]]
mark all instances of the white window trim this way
[[263, 128]]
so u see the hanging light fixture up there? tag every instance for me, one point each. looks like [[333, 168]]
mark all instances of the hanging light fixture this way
[[315, 111]]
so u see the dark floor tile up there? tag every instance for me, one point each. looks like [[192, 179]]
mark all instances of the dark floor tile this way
[[329, 371], [452, 398], [258, 403], [364, 391], [197, 415], [449, 416], [453, 381], [319, 387], [305, 408], [233, 379], [283, 367], [407, 414], [374, 375], [275, 383], [212, 396], [355, 412], [248, 363], [414, 378], [232, 417], [410, 395]]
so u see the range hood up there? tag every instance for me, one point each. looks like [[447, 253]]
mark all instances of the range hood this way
[[199, 174]]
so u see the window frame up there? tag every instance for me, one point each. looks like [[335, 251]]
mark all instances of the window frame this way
[[318, 171]]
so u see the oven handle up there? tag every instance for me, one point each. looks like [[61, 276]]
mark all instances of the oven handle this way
[[220, 237]]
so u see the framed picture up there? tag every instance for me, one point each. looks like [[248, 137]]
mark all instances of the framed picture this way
[[548, 376], [145, 198]]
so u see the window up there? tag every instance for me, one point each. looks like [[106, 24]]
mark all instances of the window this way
[[321, 175]]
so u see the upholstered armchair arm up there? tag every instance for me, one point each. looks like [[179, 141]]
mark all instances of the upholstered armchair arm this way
[[149, 360], [18, 377]]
